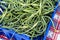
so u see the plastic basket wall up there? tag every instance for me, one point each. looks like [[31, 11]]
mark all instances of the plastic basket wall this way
[[50, 23]]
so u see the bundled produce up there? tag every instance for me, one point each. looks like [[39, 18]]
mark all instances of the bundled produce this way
[[27, 16]]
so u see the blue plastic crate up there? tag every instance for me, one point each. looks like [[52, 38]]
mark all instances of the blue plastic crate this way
[[7, 34]]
